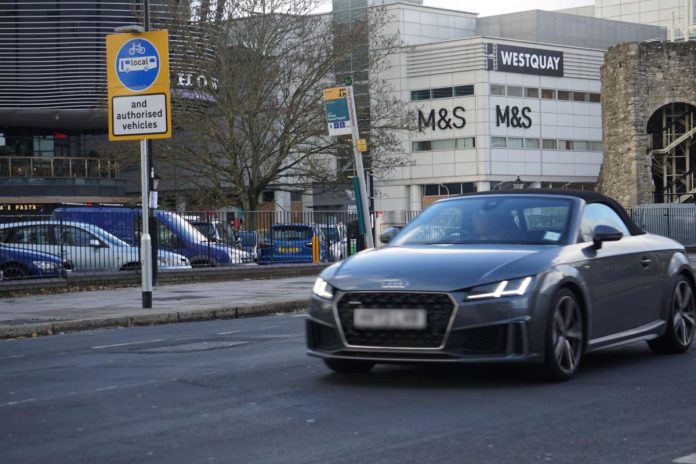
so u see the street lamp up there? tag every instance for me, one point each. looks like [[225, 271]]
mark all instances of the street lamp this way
[[518, 184]]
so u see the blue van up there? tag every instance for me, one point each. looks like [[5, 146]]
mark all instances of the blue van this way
[[174, 232], [291, 243]]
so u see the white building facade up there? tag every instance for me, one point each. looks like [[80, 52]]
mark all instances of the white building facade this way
[[491, 111]]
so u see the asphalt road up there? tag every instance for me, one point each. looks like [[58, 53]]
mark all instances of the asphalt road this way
[[243, 391]]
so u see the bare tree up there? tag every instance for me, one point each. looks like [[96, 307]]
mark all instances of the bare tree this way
[[261, 121]]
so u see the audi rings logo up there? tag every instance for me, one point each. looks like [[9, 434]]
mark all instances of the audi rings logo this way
[[394, 283]]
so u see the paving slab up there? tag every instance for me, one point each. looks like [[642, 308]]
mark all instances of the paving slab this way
[[54, 313]]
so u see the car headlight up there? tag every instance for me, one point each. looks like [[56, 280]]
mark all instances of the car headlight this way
[[515, 287], [46, 265], [323, 289]]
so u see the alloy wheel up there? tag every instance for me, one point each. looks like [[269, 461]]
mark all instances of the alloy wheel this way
[[684, 312], [567, 334]]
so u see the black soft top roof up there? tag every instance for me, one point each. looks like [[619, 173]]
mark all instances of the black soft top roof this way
[[588, 196]]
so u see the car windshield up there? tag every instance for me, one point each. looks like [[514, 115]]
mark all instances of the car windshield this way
[[104, 235], [183, 228], [292, 233], [512, 219]]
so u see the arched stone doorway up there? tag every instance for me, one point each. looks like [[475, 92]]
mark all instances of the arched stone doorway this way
[[672, 130]]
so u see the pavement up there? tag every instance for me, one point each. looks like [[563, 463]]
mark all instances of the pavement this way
[[27, 316], [244, 391]]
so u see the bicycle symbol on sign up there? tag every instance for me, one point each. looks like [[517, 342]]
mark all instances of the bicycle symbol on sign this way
[[136, 48]]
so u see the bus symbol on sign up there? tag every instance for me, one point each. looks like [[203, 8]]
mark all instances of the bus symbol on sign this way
[[144, 63]]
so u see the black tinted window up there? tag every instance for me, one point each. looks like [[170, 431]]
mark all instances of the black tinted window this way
[[30, 235]]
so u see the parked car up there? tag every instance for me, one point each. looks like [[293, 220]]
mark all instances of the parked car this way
[[529, 276], [174, 233], [337, 240], [21, 263], [291, 243], [220, 232], [86, 246]]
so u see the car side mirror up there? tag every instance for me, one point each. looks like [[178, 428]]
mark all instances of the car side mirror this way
[[389, 234], [94, 243], [603, 233]]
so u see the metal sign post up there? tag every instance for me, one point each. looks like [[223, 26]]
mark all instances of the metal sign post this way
[[343, 120], [139, 109], [360, 169]]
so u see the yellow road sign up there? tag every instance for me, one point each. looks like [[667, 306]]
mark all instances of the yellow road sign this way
[[137, 74], [362, 145], [335, 93]]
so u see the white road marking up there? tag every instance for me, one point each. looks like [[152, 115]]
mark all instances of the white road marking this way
[[14, 356], [230, 332], [690, 459], [299, 315], [126, 344]]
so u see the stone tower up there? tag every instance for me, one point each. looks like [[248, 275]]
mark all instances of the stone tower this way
[[638, 81]]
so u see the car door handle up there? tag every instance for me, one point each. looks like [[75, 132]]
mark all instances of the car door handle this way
[[645, 262]]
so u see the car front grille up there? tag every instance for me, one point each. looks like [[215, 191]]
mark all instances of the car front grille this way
[[438, 306]]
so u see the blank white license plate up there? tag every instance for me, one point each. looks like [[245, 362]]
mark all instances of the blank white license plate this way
[[389, 318]]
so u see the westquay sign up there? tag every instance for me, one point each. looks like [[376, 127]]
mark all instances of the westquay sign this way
[[530, 61]]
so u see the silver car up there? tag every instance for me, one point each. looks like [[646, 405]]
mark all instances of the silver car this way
[[538, 277], [86, 246]]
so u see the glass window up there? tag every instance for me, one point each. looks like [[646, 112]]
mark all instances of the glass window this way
[[579, 96], [447, 144], [563, 95], [450, 189], [292, 233], [463, 90], [30, 235], [566, 144], [549, 94], [424, 145], [466, 142], [444, 92], [595, 214], [497, 89], [514, 142], [431, 189], [417, 95], [596, 146], [549, 144], [595, 98], [498, 142], [581, 145], [514, 91], [501, 219], [531, 143], [72, 236], [531, 92]]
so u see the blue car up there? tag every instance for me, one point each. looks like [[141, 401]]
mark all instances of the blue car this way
[[292, 243], [21, 263]]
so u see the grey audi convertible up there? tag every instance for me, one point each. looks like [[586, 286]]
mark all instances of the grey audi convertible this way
[[534, 276]]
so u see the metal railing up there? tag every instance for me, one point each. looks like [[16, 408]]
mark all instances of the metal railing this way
[[38, 166]]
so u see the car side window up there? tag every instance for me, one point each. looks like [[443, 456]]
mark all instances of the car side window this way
[[595, 214], [72, 236], [30, 235]]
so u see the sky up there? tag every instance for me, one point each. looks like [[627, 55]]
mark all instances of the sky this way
[[492, 7]]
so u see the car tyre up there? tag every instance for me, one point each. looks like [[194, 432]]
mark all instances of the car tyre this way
[[681, 320], [347, 366], [565, 337], [14, 271]]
